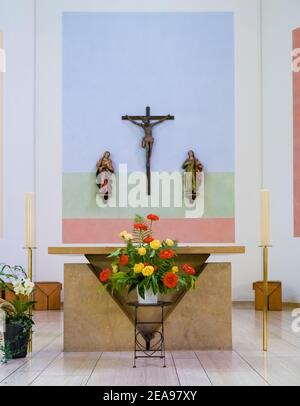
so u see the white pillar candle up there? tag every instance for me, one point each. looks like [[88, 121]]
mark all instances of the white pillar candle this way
[[265, 218], [29, 220]]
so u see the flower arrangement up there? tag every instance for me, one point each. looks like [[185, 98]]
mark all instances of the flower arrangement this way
[[147, 264], [18, 318]]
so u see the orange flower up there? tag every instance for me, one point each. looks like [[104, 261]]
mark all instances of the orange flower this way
[[167, 254], [123, 260], [140, 226], [189, 270], [152, 217], [105, 275], [170, 280], [149, 239]]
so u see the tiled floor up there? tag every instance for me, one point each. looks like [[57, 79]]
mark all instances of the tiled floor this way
[[245, 365]]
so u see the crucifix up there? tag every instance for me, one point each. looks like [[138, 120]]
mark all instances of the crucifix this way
[[145, 122]]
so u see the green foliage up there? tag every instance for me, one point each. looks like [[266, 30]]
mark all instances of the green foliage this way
[[9, 273], [115, 253], [22, 307], [139, 219], [7, 349], [128, 278], [17, 311]]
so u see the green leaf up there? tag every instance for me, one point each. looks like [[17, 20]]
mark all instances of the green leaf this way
[[152, 254], [115, 253], [154, 285], [141, 290], [139, 219]]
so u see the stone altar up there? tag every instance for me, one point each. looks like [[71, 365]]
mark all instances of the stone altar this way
[[94, 320]]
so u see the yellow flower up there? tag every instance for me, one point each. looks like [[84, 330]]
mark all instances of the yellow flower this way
[[155, 244], [142, 251], [115, 268], [169, 242], [175, 269], [148, 270], [138, 268]]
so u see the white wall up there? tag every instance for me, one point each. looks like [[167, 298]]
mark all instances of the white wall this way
[[18, 91], [280, 17], [17, 24], [246, 268]]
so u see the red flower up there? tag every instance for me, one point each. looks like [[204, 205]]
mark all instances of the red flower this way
[[167, 254], [123, 260], [189, 270], [105, 275], [140, 226], [152, 217], [170, 280], [149, 239]]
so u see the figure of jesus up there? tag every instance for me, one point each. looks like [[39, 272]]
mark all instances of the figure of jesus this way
[[148, 140], [147, 122]]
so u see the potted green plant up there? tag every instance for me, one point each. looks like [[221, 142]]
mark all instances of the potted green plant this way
[[18, 319]]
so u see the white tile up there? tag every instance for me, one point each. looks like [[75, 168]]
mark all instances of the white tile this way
[[80, 364], [120, 372], [191, 373], [277, 371], [228, 368], [19, 379], [11, 366], [246, 365], [39, 361], [60, 380], [184, 354]]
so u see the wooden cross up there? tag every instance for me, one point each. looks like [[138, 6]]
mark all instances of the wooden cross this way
[[145, 122]]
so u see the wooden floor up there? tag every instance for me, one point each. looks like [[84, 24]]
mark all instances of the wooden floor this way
[[245, 365]]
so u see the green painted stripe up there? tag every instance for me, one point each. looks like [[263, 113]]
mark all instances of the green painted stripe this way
[[79, 191], [219, 195]]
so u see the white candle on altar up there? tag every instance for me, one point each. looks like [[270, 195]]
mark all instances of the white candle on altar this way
[[265, 217], [29, 220]]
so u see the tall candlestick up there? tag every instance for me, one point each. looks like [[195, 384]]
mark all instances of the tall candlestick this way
[[29, 244], [265, 218], [29, 220], [265, 243]]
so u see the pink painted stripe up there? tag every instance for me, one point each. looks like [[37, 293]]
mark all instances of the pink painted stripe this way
[[296, 91], [106, 231]]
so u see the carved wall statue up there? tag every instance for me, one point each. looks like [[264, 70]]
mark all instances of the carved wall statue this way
[[193, 169], [104, 173]]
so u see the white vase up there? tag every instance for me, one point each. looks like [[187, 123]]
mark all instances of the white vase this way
[[150, 297]]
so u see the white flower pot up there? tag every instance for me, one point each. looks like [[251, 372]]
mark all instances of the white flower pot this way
[[150, 297]]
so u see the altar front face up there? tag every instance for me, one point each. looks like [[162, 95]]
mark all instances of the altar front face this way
[[96, 320]]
